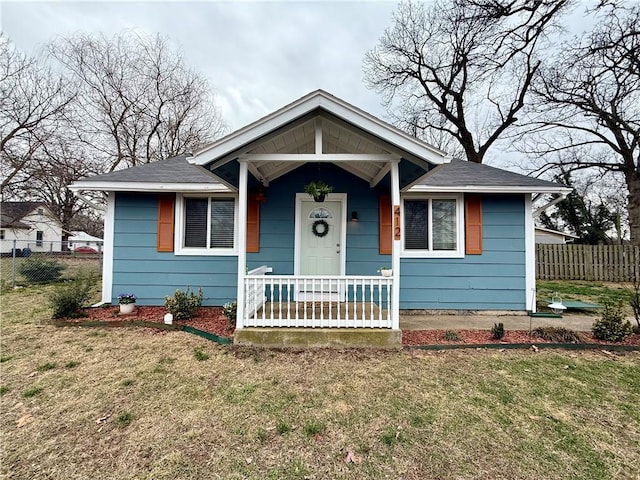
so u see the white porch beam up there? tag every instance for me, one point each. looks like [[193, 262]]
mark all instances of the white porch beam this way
[[319, 157], [242, 241], [397, 245], [383, 171], [255, 171]]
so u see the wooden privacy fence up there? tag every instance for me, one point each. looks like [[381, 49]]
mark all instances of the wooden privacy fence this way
[[606, 263]]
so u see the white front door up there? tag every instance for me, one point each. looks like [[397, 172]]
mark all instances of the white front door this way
[[320, 247]]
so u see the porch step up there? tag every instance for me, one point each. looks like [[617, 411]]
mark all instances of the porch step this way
[[320, 337]]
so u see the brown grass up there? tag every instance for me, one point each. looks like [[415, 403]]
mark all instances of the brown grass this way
[[134, 403]]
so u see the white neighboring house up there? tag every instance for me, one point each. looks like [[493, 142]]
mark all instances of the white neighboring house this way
[[83, 239], [548, 236], [32, 225]]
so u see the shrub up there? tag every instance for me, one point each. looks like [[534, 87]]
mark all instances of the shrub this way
[[183, 305], [612, 326], [558, 334], [452, 336], [36, 270], [230, 310], [67, 300], [497, 331]]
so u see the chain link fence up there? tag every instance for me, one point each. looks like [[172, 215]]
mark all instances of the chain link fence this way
[[29, 262]]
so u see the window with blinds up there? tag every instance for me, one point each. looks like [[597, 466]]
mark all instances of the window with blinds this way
[[431, 225], [209, 222]]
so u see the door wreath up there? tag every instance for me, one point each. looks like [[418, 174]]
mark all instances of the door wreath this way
[[322, 231]]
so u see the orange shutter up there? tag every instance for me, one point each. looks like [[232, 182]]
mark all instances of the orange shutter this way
[[165, 222], [385, 223], [473, 224], [253, 224]]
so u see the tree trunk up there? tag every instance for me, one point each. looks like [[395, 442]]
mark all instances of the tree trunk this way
[[633, 185]]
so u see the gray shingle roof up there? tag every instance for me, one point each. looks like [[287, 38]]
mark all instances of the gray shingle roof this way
[[12, 212], [171, 170], [460, 173]]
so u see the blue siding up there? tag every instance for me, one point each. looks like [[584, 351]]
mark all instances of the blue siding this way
[[494, 280], [277, 219], [139, 268]]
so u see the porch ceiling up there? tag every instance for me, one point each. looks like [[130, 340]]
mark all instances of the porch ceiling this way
[[319, 139]]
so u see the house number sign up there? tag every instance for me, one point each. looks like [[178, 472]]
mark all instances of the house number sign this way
[[396, 222]]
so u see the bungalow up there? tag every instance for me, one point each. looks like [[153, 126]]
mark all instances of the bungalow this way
[[234, 220]]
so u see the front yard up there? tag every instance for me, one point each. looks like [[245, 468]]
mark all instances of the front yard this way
[[136, 403]]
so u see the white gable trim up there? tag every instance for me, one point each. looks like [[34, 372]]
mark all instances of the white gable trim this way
[[305, 105], [485, 189], [150, 187]]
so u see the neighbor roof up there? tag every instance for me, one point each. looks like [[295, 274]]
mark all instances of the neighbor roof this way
[[12, 212], [463, 176], [175, 174]]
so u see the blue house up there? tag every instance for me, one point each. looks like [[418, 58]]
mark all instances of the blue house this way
[[234, 220]]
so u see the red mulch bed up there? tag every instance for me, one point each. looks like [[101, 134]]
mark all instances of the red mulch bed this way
[[212, 320], [476, 337], [207, 319]]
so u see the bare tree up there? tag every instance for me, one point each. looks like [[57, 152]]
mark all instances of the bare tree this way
[[33, 103], [138, 101], [462, 67], [589, 99]]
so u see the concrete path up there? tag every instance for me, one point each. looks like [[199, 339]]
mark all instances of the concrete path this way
[[577, 322]]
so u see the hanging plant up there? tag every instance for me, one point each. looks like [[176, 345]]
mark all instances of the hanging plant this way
[[320, 228], [318, 190]]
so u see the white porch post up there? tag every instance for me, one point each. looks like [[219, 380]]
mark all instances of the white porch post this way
[[242, 241], [107, 254], [397, 245], [530, 255]]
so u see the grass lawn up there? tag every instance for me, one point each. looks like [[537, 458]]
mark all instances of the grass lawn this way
[[131, 403], [593, 292]]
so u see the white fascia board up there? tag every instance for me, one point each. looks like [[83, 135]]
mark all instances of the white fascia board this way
[[485, 189], [319, 157], [149, 187], [306, 104]]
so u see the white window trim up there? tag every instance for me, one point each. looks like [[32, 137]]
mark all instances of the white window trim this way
[[180, 249], [460, 240]]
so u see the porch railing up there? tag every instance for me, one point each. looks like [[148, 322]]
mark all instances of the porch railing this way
[[317, 301]]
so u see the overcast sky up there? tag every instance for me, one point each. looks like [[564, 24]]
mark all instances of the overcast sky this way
[[258, 56]]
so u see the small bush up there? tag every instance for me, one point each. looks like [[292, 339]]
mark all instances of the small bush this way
[[558, 334], [612, 326], [41, 271], [183, 305], [452, 336], [230, 310], [4, 389], [497, 331], [68, 299]]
